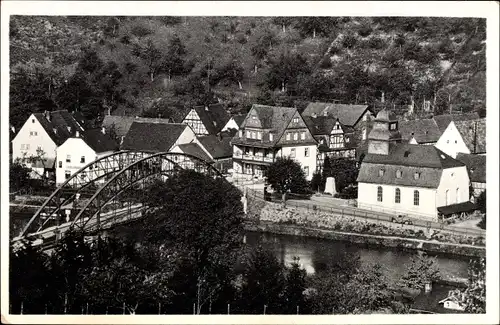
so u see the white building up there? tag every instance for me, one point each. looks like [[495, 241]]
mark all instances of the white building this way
[[403, 178], [269, 132], [464, 137], [37, 140], [80, 150]]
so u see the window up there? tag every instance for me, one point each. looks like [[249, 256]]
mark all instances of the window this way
[[82, 160], [295, 136], [457, 196], [241, 133], [259, 135], [68, 158], [60, 164], [416, 175], [295, 120], [399, 174], [253, 117], [270, 137], [292, 153], [447, 141], [393, 126], [248, 134], [288, 136], [67, 174], [306, 170], [397, 196], [302, 135], [381, 173], [416, 197], [83, 175], [379, 194], [254, 135], [32, 120], [447, 197], [306, 152]]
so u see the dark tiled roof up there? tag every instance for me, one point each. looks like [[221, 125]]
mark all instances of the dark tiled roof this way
[[404, 154], [456, 208], [239, 119], [214, 117], [473, 133], [195, 150], [155, 137], [320, 125], [98, 141], [60, 126], [218, 148], [347, 114], [476, 166], [122, 124], [369, 173], [442, 121], [81, 119], [424, 131]]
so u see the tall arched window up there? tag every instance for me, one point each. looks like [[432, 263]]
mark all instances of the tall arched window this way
[[379, 194], [416, 198], [397, 196], [457, 196]]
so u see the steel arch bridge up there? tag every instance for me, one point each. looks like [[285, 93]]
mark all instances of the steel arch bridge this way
[[89, 191]]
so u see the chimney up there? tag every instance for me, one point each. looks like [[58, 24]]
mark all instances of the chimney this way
[[103, 130], [55, 130], [314, 115], [69, 129], [325, 113], [109, 110], [206, 108], [13, 129], [47, 115], [382, 100], [77, 134]]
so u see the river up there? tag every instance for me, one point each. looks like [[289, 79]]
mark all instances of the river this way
[[315, 254]]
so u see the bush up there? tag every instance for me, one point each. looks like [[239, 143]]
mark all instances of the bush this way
[[349, 41], [365, 30], [482, 224]]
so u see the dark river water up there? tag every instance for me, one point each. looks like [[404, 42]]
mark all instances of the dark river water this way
[[315, 254]]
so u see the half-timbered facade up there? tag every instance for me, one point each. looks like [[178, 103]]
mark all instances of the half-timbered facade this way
[[205, 120]]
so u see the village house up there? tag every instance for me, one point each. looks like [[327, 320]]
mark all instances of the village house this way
[[37, 140], [357, 117], [476, 166], [205, 120], [216, 150], [428, 131], [81, 149], [117, 126], [335, 140], [465, 137], [269, 132], [415, 180], [234, 123]]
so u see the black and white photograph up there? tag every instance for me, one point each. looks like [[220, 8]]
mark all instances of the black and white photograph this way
[[253, 164]]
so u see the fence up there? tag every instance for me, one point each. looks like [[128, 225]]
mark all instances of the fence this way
[[369, 215]]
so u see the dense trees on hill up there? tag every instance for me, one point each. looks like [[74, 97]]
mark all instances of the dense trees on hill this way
[[129, 64]]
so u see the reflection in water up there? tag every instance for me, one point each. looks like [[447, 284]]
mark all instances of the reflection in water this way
[[318, 255]]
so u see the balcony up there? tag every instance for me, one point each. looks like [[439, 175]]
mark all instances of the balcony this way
[[258, 158]]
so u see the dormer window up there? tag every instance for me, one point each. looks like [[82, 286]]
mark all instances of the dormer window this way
[[270, 137], [392, 126], [381, 172], [295, 120], [288, 137], [253, 117], [259, 135], [399, 174]]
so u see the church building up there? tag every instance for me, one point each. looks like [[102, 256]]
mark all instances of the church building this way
[[410, 179]]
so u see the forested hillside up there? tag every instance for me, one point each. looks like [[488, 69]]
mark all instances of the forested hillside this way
[[163, 65]]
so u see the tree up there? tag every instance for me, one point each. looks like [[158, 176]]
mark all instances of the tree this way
[[295, 285], [286, 175], [285, 70], [475, 294], [18, 176], [422, 269], [152, 57], [345, 172], [174, 63], [206, 235], [263, 283], [314, 26], [481, 202], [316, 182]]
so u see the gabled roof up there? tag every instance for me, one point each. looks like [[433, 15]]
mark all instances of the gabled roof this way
[[273, 118], [59, 125], [424, 130], [217, 147], [239, 119], [473, 133], [428, 177], [195, 150], [442, 121], [347, 114], [320, 125], [154, 137], [98, 141], [214, 117], [122, 124], [78, 116], [476, 166], [404, 154]]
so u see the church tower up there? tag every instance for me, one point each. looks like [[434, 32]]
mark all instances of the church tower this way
[[384, 134]]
